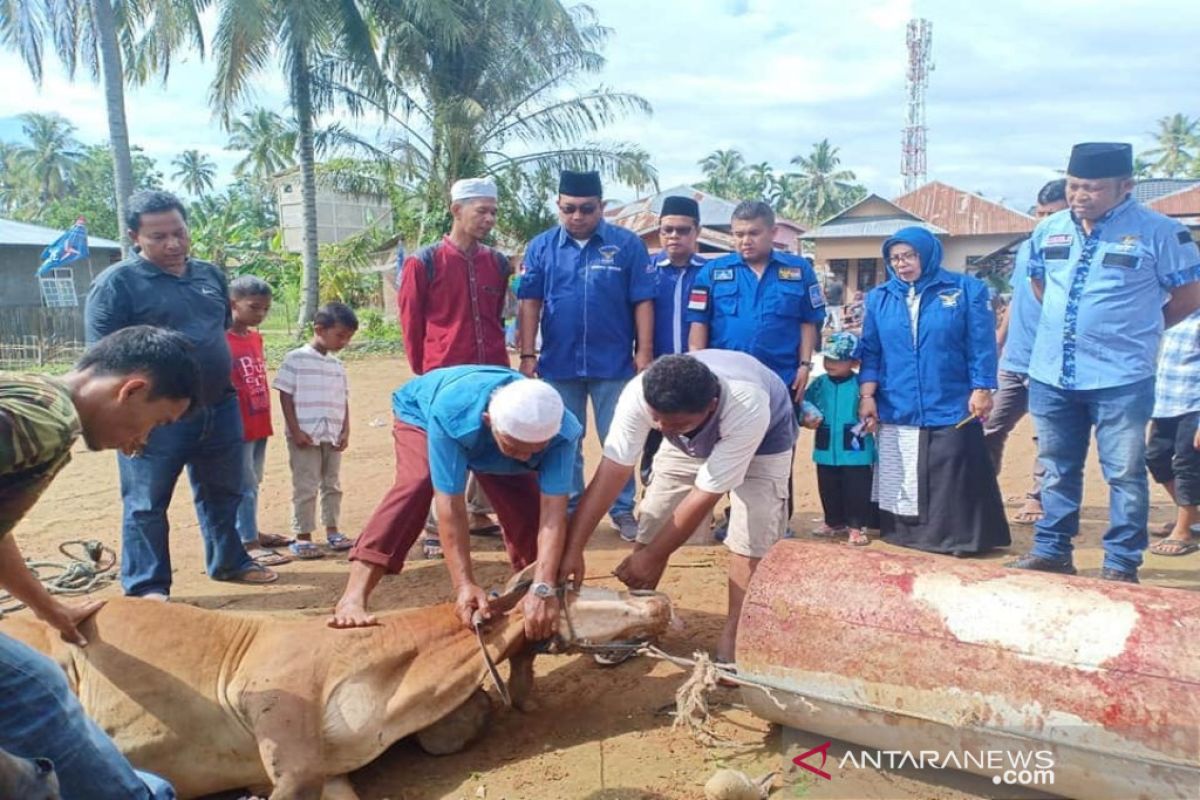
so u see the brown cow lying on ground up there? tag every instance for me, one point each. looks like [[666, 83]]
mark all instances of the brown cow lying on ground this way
[[215, 700]]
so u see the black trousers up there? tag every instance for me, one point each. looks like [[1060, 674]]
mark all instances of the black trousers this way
[[846, 497], [1172, 456]]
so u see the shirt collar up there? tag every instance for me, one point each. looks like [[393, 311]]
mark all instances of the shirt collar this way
[[660, 259], [564, 237], [151, 270]]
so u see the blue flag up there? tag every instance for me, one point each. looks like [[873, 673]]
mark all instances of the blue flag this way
[[71, 246]]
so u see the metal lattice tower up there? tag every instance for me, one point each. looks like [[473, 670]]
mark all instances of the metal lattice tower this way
[[920, 64]]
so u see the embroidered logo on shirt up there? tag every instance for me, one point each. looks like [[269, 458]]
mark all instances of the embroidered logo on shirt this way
[[815, 298], [205, 289], [722, 274], [1059, 238], [950, 299], [608, 253], [791, 274], [698, 300]]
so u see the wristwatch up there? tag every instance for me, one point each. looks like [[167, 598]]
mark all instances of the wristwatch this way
[[542, 591], [806, 364]]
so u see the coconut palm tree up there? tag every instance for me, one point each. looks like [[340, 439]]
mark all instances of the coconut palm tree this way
[[194, 171], [500, 94], [50, 154], [724, 172], [305, 34], [119, 41], [820, 189], [1175, 135], [268, 140]]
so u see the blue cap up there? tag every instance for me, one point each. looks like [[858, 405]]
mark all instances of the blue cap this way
[[842, 346]]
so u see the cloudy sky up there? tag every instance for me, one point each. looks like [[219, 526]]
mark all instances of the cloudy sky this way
[[1015, 83]]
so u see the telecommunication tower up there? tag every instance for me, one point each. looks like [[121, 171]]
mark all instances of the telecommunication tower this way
[[920, 64]]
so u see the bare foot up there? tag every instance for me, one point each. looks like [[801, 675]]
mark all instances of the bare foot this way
[[351, 614]]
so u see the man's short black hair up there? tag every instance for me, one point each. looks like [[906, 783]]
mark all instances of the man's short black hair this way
[[249, 286], [1053, 192], [679, 384], [151, 201], [165, 356], [332, 314], [750, 210]]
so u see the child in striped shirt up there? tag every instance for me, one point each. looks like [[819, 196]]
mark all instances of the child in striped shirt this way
[[314, 393]]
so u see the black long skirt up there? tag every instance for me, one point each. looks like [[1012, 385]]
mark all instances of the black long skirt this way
[[960, 507]]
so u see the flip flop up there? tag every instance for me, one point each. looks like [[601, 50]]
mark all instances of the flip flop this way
[[305, 550], [1177, 547], [857, 538], [266, 557], [826, 532], [255, 574], [269, 540], [337, 542]]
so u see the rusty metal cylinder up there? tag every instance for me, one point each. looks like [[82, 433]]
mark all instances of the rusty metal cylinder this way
[[911, 652]]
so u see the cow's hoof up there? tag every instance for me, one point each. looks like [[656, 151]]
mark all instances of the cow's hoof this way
[[459, 728]]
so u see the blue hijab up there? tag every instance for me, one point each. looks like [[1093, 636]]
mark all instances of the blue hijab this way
[[928, 248]]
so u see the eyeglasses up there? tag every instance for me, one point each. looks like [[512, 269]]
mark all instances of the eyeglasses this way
[[901, 258], [674, 230], [587, 209]]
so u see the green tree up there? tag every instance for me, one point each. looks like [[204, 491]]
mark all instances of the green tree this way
[[107, 36], [500, 94], [194, 171], [724, 173], [93, 195], [305, 34], [268, 140], [1175, 135], [820, 189], [50, 155]]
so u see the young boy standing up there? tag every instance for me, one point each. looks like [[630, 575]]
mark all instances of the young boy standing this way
[[249, 301], [843, 454], [314, 394]]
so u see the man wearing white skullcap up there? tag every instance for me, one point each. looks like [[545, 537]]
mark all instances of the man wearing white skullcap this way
[[515, 435], [452, 311]]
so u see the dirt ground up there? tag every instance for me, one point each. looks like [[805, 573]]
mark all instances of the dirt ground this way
[[598, 734]]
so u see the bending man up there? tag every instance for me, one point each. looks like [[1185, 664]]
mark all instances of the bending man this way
[[520, 442], [728, 427]]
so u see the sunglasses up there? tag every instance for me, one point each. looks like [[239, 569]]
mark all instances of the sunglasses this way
[[587, 209], [673, 230]]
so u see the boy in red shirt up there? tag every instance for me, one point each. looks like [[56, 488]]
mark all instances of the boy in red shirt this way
[[250, 300]]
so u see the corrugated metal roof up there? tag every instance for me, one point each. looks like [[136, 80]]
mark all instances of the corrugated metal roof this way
[[1180, 203], [867, 228], [963, 213], [1149, 190], [23, 233]]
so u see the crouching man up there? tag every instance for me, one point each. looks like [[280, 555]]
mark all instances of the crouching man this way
[[128, 383], [513, 433], [728, 427]]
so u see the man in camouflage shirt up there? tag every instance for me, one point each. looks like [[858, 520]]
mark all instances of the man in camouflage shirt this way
[[125, 386]]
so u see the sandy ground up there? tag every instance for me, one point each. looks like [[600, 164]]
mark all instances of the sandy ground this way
[[598, 734]]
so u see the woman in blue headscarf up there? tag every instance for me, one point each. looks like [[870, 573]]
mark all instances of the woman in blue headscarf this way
[[928, 371]]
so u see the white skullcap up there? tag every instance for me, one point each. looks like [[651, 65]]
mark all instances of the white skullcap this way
[[470, 188], [528, 410]]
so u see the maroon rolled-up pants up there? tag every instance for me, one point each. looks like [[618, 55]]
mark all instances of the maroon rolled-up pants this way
[[400, 517]]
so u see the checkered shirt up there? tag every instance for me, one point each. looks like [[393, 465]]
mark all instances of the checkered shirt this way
[[1177, 390]]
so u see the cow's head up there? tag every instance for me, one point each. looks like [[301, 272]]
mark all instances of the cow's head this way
[[595, 615]]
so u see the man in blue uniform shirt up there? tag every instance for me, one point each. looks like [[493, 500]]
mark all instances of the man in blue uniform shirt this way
[[759, 301], [1111, 275], [676, 265], [592, 286]]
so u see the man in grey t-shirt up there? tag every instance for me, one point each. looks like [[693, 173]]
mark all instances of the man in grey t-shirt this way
[[728, 427]]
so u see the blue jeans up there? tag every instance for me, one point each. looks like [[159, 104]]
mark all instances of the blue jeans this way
[[209, 442], [604, 394], [1064, 419], [43, 719], [254, 455]]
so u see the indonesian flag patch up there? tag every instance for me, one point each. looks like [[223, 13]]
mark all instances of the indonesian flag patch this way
[[698, 300]]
